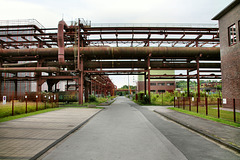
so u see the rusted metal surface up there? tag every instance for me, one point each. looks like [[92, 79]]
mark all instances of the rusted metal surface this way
[[60, 37], [119, 52], [143, 64], [55, 50], [30, 69]]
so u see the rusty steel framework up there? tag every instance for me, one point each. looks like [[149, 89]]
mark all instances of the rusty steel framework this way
[[81, 53]]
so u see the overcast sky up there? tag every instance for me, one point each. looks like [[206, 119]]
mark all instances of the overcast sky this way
[[49, 12]]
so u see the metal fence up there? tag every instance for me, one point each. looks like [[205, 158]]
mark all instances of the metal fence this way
[[227, 109], [26, 103]]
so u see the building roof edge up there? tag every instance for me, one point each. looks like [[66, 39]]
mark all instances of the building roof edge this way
[[226, 9]]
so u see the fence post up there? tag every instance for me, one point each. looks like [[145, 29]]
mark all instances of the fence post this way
[[162, 98], [218, 103], [183, 102], [189, 99], [178, 101], [13, 105], [197, 104], [26, 101], [174, 102], [206, 103], [52, 100], [37, 102], [234, 111], [45, 99]]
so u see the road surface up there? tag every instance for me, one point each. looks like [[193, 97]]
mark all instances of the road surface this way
[[126, 131]]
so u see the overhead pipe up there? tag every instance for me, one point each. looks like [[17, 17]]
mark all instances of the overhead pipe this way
[[60, 39], [143, 64], [27, 64], [30, 69], [206, 53]]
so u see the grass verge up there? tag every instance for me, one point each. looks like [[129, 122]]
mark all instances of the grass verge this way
[[206, 117]]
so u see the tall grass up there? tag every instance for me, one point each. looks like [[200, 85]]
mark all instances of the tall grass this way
[[20, 108]]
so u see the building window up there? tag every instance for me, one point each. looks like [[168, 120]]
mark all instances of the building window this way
[[161, 91], [161, 84], [170, 84], [152, 84], [232, 35]]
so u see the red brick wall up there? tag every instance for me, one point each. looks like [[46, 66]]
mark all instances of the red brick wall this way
[[140, 86], [230, 56]]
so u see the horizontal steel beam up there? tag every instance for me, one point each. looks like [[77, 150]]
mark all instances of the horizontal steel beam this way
[[143, 64], [30, 69], [119, 52]]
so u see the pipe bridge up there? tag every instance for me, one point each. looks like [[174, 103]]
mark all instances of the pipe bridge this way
[[82, 54]]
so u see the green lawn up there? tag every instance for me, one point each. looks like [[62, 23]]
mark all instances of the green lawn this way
[[20, 108], [226, 117]]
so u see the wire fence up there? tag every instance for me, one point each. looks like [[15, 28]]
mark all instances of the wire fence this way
[[228, 109]]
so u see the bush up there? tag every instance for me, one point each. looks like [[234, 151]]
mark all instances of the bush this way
[[92, 98], [145, 100]]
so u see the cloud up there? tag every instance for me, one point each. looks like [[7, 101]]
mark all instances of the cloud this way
[[108, 11], [13, 10]]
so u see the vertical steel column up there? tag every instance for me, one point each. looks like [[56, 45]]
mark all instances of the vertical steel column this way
[[188, 81], [218, 100], [198, 79], [149, 68], [145, 84], [86, 91], [67, 86], [15, 84], [39, 78], [81, 81], [80, 68], [1, 62], [78, 57]]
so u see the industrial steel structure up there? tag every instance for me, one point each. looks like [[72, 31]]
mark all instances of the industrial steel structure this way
[[86, 54]]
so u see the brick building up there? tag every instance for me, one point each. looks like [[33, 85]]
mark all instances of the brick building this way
[[156, 85], [229, 29]]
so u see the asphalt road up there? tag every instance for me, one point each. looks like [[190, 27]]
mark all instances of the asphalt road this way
[[127, 131]]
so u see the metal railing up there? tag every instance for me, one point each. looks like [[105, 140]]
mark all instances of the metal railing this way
[[214, 107]]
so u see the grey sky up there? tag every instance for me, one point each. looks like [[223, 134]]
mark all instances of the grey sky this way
[[49, 12]]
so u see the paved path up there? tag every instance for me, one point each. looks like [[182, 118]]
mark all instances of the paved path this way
[[127, 131], [224, 133], [119, 132], [25, 137]]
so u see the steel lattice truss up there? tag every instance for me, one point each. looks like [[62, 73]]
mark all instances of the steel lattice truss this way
[[35, 36]]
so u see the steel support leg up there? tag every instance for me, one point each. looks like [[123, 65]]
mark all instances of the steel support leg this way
[[145, 84], [198, 80], [149, 68], [188, 81]]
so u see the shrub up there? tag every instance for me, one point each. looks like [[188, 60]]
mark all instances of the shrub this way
[[145, 100], [92, 98]]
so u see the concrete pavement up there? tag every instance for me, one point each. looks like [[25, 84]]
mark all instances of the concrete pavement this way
[[27, 137], [225, 134], [191, 144], [118, 132], [126, 130]]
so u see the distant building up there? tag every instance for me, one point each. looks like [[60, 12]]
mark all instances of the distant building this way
[[157, 85], [229, 30]]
